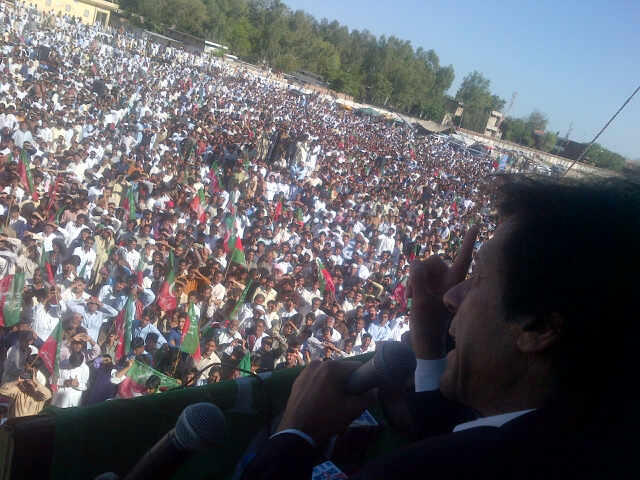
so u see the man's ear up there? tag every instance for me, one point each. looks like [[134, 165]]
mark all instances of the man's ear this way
[[539, 334]]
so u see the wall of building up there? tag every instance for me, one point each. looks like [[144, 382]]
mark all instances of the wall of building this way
[[87, 13], [579, 169]]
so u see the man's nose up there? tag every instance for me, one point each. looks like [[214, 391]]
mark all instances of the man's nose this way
[[455, 295]]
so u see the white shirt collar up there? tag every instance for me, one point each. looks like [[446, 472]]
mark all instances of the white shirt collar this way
[[492, 421]]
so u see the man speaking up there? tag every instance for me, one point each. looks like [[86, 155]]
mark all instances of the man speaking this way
[[544, 332]]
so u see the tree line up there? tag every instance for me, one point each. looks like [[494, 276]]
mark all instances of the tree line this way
[[383, 71]]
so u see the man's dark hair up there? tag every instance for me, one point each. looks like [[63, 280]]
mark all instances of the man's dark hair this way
[[151, 337], [152, 382], [76, 359], [555, 264]]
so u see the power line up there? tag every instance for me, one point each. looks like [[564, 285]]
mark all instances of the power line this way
[[602, 130]]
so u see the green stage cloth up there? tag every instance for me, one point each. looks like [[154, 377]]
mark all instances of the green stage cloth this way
[[113, 435]]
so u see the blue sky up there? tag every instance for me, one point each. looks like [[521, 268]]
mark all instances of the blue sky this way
[[575, 61]]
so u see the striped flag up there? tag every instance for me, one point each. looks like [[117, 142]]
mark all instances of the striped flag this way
[[53, 193], [24, 171], [400, 295], [197, 205], [12, 308], [229, 234], [167, 301], [132, 204], [325, 278], [124, 328], [139, 275], [190, 342], [241, 300], [237, 253], [50, 352], [278, 211], [137, 376], [129, 203], [216, 184], [5, 285], [45, 267]]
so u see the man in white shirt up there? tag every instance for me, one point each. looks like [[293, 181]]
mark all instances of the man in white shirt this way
[[87, 256], [386, 243], [208, 359], [365, 346], [73, 228], [94, 315], [143, 327], [22, 135], [382, 330], [230, 337], [45, 315], [72, 381], [218, 291], [132, 255], [259, 335]]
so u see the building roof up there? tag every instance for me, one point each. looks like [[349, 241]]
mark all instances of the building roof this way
[[101, 4]]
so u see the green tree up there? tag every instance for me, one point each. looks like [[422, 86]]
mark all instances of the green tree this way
[[548, 142], [537, 121], [529, 131], [603, 158], [478, 101]]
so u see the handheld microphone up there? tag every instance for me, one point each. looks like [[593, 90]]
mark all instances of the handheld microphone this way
[[390, 367], [199, 426]]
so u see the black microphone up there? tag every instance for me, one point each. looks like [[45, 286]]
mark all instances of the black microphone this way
[[390, 367], [199, 426]]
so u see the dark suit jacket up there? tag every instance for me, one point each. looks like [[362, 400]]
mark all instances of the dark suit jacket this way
[[537, 445]]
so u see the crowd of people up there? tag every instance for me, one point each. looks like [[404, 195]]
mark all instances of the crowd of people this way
[[147, 193]]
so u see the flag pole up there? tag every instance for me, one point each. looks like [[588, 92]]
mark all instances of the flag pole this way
[[601, 131], [226, 270], [6, 220]]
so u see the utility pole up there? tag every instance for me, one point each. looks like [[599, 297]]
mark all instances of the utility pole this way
[[566, 137], [508, 109]]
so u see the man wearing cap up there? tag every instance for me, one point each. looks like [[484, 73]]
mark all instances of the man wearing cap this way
[[50, 233]]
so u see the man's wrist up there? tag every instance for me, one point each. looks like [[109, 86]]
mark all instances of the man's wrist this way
[[428, 373]]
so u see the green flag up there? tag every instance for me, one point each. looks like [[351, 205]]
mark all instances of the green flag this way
[[83, 270], [167, 301], [45, 267], [241, 300], [190, 335], [245, 365], [50, 350], [59, 214], [13, 302], [132, 204], [237, 253], [140, 372]]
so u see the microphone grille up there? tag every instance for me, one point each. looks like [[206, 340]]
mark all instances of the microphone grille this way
[[200, 426]]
